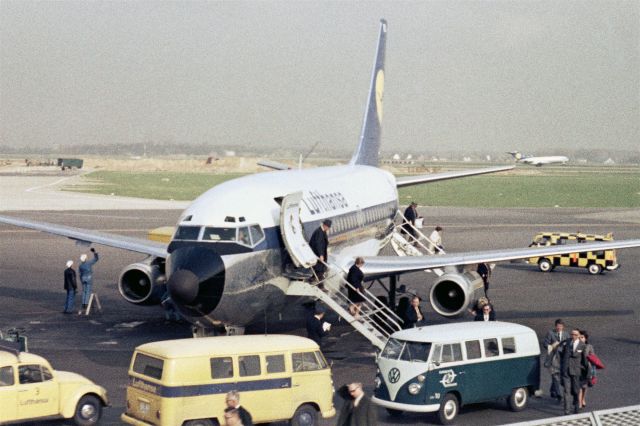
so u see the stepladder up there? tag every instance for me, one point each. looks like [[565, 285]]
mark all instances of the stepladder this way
[[92, 299]]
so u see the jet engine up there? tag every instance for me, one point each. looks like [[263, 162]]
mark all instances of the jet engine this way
[[143, 283], [454, 292]]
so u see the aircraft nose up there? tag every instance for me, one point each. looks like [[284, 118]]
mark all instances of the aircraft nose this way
[[196, 279]]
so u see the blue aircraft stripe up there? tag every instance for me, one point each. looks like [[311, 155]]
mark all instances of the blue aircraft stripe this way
[[211, 389]]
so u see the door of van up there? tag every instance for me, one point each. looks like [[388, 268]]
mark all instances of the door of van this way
[[268, 386], [310, 380], [449, 372], [37, 392]]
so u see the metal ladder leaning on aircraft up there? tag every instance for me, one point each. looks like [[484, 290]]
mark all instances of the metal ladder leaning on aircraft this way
[[409, 245]]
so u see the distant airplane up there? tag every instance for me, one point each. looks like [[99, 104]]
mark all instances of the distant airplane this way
[[538, 161], [229, 260]]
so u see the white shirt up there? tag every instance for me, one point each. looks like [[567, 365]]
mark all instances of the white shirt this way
[[575, 344]]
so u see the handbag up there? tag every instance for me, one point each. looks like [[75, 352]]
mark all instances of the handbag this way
[[593, 359]]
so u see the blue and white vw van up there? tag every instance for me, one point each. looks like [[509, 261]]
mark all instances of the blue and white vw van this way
[[439, 368]]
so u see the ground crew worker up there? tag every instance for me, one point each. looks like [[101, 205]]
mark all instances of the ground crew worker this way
[[70, 284], [86, 276]]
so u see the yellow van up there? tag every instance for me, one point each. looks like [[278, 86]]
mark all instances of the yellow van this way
[[185, 381], [594, 261]]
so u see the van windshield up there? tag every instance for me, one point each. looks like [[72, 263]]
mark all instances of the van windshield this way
[[392, 349], [416, 352]]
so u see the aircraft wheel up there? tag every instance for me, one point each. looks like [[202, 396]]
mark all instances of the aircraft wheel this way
[[518, 399], [594, 269], [545, 265], [448, 409]]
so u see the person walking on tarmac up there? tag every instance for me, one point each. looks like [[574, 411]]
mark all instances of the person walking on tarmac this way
[[86, 276], [319, 244], [70, 284]]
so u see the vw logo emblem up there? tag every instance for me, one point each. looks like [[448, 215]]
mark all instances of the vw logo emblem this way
[[394, 375]]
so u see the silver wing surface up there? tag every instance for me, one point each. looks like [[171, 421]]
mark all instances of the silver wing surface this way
[[434, 177], [391, 265], [139, 245]]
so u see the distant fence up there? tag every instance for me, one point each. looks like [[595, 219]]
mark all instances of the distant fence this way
[[624, 416]]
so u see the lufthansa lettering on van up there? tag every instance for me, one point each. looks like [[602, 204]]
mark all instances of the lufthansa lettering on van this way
[[317, 202], [34, 401], [142, 385], [448, 378]]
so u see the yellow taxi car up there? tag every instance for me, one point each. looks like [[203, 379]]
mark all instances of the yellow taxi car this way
[[185, 381], [30, 390], [594, 261]]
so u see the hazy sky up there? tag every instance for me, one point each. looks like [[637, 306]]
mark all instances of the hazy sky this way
[[529, 75]]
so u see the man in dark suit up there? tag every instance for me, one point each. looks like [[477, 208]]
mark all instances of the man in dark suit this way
[[414, 317], [550, 344], [233, 403], [315, 327], [485, 314], [573, 367], [358, 410], [319, 244], [411, 214], [71, 285]]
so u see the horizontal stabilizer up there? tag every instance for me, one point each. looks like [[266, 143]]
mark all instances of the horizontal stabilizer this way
[[434, 177], [273, 165]]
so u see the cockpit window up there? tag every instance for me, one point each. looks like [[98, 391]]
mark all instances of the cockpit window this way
[[187, 233], [256, 234], [243, 236], [219, 234]]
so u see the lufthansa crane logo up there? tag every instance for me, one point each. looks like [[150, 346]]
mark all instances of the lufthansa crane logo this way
[[448, 378], [394, 375], [379, 93]]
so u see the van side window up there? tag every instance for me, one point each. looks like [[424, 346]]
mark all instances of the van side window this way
[[249, 365], [473, 349], [321, 360], [491, 347], [221, 368], [305, 361], [46, 374], [148, 366], [275, 364], [451, 353], [508, 345], [6, 376]]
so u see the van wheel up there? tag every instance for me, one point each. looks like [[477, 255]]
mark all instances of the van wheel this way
[[448, 409], [305, 415], [518, 399], [200, 422], [394, 413], [88, 411], [545, 265], [594, 269]]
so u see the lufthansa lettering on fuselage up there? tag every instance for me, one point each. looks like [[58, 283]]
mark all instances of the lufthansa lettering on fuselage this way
[[318, 203]]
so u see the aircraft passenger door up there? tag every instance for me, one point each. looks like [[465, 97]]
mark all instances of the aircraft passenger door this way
[[292, 232]]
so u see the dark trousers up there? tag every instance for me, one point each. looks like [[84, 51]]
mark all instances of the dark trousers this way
[[71, 297], [556, 386], [571, 386]]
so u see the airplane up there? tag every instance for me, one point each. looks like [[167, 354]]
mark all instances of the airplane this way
[[538, 161], [227, 262]]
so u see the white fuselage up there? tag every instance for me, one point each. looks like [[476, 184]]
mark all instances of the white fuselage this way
[[537, 161]]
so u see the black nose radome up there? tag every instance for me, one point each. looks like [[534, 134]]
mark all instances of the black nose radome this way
[[196, 280], [184, 286]]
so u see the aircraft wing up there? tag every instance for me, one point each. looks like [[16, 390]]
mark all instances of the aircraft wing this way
[[377, 266], [88, 236], [433, 177]]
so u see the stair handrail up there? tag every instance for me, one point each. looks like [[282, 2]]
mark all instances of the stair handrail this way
[[405, 222]]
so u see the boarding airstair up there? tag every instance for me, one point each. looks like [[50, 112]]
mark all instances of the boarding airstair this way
[[375, 321], [408, 240]]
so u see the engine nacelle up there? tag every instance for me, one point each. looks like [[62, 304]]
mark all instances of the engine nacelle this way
[[143, 283], [453, 293]]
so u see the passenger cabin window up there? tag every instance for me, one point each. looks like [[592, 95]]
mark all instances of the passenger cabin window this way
[[306, 361], [491, 348], [508, 345], [249, 365], [473, 349], [219, 234], [221, 368], [275, 364], [148, 366], [416, 352], [6, 376], [29, 374], [187, 233]]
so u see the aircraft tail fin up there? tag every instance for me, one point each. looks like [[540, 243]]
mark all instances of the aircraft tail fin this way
[[516, 154], [369, 146]]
